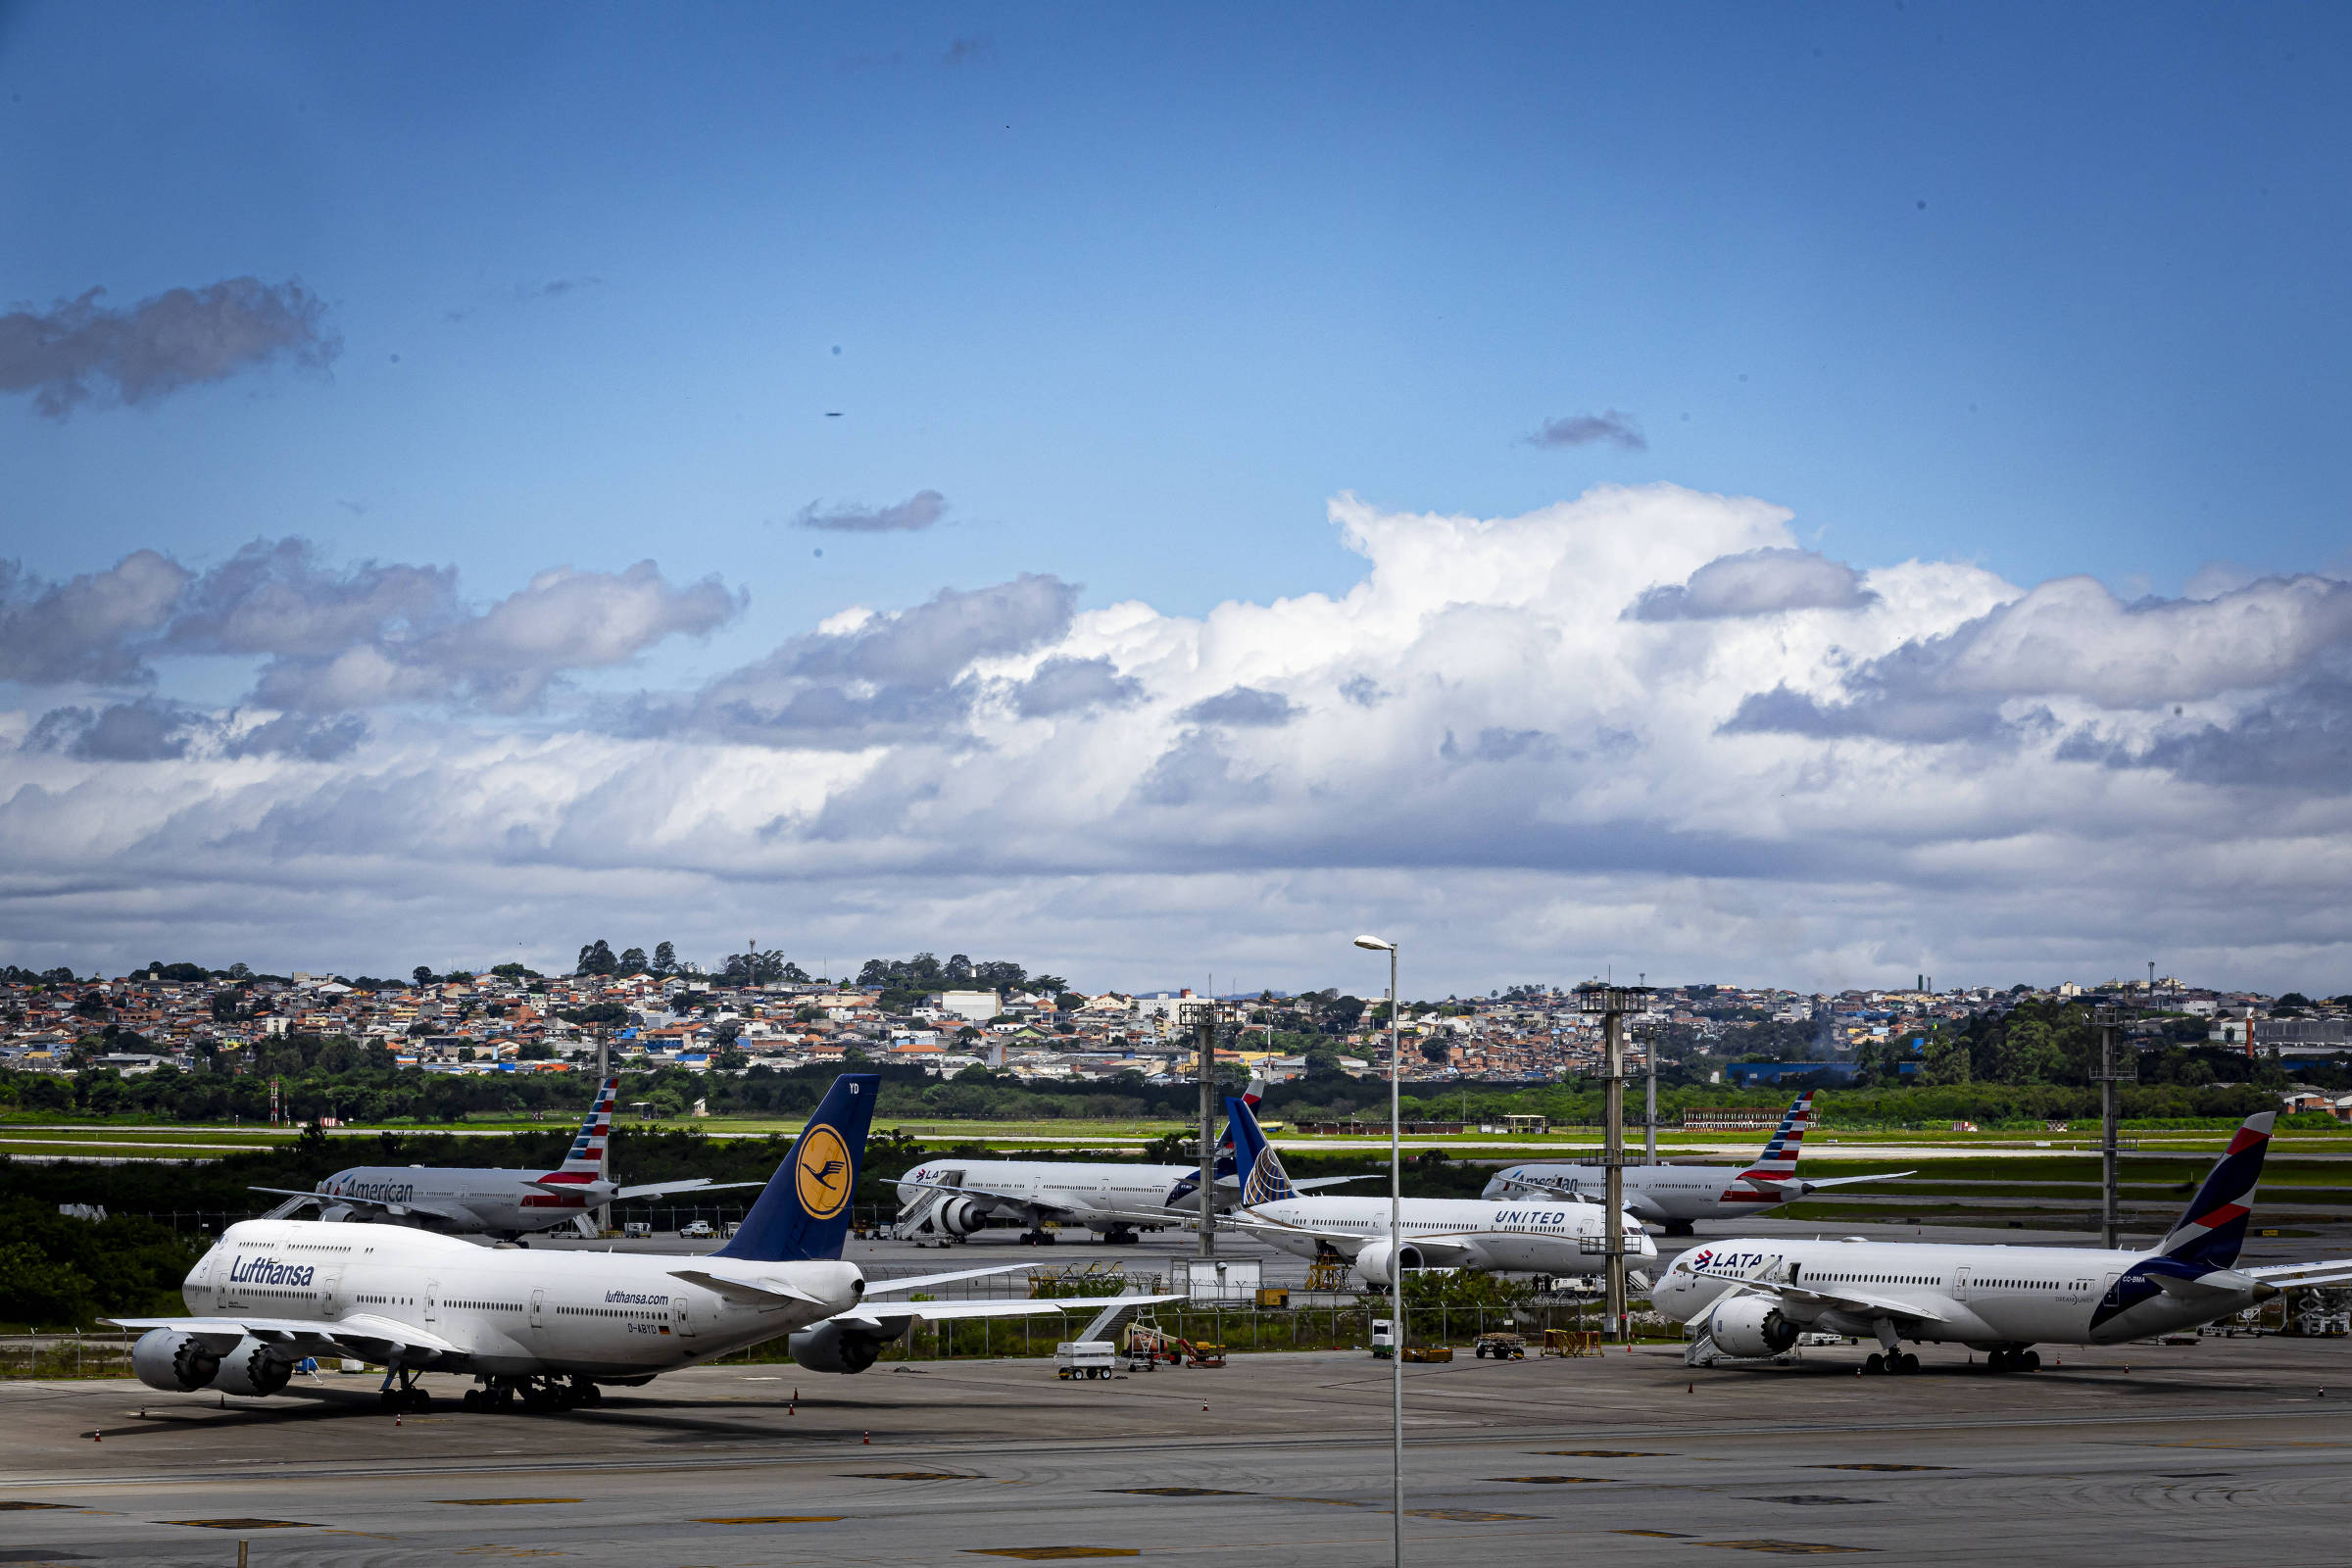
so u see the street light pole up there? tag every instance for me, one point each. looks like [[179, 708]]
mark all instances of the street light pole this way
[[1612, 1002], [1397, 1338]]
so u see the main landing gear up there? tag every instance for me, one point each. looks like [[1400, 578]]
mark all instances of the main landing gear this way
[[2014, 1361], [408, 1397], [1040, 1237], [1892, 1361], [1120, 1236], [533, 1395]]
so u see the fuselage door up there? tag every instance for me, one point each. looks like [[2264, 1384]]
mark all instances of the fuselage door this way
[[330, 1290], [680, 1317], [433, 1301], [1960, 1284], [538, 1307], [2108, 1294]]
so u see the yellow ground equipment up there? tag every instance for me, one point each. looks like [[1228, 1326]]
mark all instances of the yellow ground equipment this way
[[1571, 1342]]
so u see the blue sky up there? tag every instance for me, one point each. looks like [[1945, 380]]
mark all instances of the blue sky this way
[[1138, 294]]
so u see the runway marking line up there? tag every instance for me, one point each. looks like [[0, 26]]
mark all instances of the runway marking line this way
[[1052, 1553], [778, 1519], [1555, 1480], [1467, 1516], [1793, 1548], [1601, 1454], [243, 1524], [908, 1475], [1179, 1492], [1878, 1467], [497, 1502]]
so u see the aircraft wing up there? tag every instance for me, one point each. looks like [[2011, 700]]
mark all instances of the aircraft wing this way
[[448, 1214], [1860, 1302], [1313, 1182], [1813, 1185], [1028, 1205], [363, 1334], [2335, 1271], [923, 1282], [1522, 1184], [888, 1317], [699, 1184], [1442, 1249]]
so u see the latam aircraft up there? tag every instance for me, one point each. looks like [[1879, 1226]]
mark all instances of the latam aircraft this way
[[948, 1199], [1672, 1197], [1755, 1297], [500, 1202], [1513, 1236], [552, 1328]]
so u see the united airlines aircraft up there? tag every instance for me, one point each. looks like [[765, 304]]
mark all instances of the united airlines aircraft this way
[[1754, 1297], [1532, 1236], [1673, 1196], [552, 1328]]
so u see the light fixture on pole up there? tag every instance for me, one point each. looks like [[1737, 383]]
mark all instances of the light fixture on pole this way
[[1397, 1331]]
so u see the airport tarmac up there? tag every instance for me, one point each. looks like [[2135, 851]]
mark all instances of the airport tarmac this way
[[2221, 1451]]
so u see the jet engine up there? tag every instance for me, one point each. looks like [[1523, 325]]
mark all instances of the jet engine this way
[[1750, 1325], [831, 1347], [254, 1368], [1380, 1261], [959, 1216], [172, 1362]]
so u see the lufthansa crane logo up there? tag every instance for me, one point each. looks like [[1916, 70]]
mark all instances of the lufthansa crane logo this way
[[822, 1173]]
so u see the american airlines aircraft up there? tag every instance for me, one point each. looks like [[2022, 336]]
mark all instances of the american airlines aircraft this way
[[1672, 1197], [500, 1202], [948, 1199], [1521, 1236], [1755, 1297], [548, 1328]]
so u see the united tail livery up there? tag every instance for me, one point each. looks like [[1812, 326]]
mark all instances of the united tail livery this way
[[498, 1202], [553, 1328], [1672, 1197], [1754, 1296]]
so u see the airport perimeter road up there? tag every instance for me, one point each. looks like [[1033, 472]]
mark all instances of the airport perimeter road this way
[[2223, 1451]]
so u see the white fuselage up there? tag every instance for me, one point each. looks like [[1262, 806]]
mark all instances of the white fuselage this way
[[1658, 1194], [1544, 1237], [1983, 1296], [462, 1201], [1089, 1194], [508, 1312]]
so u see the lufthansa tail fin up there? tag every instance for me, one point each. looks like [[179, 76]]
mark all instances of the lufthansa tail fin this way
[[1264, 1179], [2212, 1228], [1778, 1162], [804, 1212]]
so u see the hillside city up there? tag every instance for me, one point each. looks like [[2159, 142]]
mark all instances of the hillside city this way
[[946, 1018]]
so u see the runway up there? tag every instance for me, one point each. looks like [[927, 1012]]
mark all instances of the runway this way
[[2224, 1450]]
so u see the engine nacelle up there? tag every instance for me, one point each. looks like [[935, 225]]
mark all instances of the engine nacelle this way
[[1749, 1326], [172, 1362], [254, 1368], [830, 1348], [1380, 1262], [959, 1216]]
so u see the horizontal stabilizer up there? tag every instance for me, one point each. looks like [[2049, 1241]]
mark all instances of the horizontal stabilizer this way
[[924, 1282], [735, 1287], [880, 1315]]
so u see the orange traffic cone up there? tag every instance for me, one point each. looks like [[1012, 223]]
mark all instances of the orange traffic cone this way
[[869, 1440]]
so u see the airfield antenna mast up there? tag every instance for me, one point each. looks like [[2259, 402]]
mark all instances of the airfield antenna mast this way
[[1202, 1016], [1612, 1002], [2106, 1018]]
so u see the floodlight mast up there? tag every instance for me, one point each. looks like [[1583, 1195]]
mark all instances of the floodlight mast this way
[[1610, 1004], [1397, 1338]]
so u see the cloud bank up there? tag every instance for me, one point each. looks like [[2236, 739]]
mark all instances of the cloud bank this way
[[1642, 729], [80, 351], [912, 514]]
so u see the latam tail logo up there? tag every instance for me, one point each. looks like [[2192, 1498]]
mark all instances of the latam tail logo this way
[[822, 1173]]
